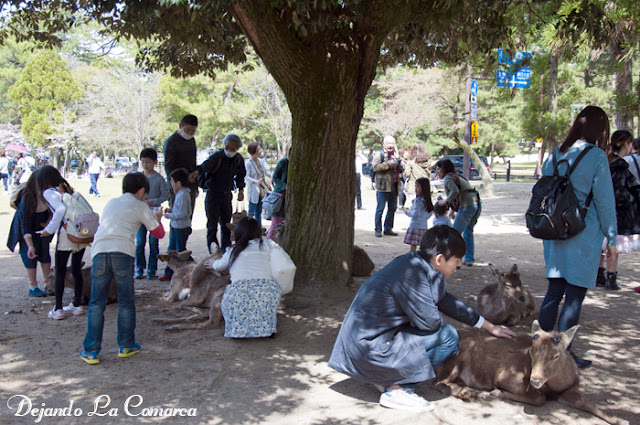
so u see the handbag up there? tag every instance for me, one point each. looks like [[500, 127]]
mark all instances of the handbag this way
[[455, 204], [272, 202], [283, 269], [263, 187], [239, 214]]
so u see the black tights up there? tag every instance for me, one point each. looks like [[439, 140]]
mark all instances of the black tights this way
[[62, 257]]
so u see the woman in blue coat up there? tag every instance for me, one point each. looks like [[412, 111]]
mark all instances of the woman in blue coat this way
[[572, 264]]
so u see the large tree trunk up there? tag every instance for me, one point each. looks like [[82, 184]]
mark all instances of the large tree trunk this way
[[325, 85], [623, 87]]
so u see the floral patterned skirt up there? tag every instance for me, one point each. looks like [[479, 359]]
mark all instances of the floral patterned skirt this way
[[250, 307]]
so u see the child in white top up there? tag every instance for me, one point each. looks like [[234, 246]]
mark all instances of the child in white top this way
[[420, 213], [441, 212], [113, 255], [53, 185], [250, 302]]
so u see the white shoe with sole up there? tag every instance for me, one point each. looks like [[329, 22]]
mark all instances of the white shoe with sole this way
[[405, 399], [56, 314], [76, 311]]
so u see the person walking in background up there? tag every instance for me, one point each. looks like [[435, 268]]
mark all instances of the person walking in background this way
[[51, 186], [256, 179], [626, 189], [158, 193], [4, 170], [417, 166], [459, 189], [223, 172], [94, 167], [180, 151], [279, 186], [572, 264], [419, 213], [388, 178], [359, 162], [112, 254], [180, 216]]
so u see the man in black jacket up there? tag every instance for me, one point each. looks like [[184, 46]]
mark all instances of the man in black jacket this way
[[223, 171], [180, 152]]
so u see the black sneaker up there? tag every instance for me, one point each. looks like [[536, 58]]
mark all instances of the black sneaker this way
[[581, 363], [378, 234], [390, 233]]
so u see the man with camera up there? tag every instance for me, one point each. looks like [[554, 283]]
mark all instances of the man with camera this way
[[388, 169]]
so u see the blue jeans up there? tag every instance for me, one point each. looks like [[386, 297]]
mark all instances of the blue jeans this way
[[465, 221], [94, 184], [570, 314], [255, 211], [391, 200], [108, 265], [141, 241], [441, 345], [177, 242], [4, 178]]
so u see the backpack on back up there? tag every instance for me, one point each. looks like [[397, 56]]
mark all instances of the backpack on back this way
[[82, 222], [554, 211]]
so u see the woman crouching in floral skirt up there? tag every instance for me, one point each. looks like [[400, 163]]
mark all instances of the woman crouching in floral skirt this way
[[250, 302]]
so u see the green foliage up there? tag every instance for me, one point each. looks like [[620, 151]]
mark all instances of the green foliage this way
[[43, 88]]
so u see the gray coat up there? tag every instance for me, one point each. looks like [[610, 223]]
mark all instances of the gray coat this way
[[380, 339]]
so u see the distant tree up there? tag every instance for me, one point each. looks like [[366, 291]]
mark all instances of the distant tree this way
[[45, 87], [259, 101]]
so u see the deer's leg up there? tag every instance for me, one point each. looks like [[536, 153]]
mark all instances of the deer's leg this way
[[573, 398]]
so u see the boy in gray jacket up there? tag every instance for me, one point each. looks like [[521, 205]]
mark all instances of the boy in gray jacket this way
[[158, 193]]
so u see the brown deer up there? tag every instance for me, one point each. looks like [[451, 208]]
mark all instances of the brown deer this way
[[527, 369], [86, 284], [506, 302], [196, 286]]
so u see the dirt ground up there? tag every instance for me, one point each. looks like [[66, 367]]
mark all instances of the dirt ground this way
[[286, 380]]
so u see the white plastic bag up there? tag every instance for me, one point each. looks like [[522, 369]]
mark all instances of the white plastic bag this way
[[282, 268]]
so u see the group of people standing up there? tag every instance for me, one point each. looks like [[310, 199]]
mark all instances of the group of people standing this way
[[117, 254], [407, 176]]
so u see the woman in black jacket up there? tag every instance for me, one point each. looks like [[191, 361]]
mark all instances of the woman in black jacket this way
[[627, 193]]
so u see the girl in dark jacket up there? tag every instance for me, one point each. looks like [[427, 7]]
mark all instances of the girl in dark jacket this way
[[627, 193], [29, 220]]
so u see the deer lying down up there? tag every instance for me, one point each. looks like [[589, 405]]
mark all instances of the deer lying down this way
[[506, 302], [195, 286], [527, 369]]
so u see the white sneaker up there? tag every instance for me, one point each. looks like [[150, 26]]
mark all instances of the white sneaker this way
[[405, 399], [76, 311], [56, 314]]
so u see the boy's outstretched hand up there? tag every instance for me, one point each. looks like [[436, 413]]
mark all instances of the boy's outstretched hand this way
[[499, 331]]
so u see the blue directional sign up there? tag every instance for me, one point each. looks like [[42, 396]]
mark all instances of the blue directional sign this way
[[518, 76], [474, 88]]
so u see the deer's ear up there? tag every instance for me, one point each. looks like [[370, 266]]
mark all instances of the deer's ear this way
[[184, 255], [567, 336], [163, 257], [494, 271], [535, 327]]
